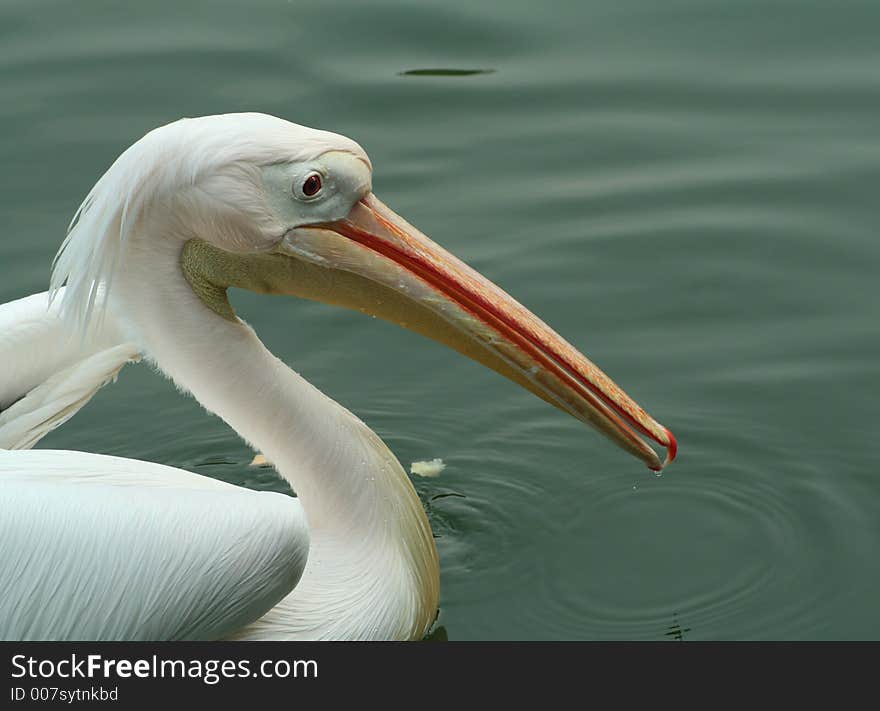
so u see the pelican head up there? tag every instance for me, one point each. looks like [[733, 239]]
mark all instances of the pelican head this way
[[259, 203]]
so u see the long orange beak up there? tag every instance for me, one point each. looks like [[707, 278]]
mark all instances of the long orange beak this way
[[419, 285]]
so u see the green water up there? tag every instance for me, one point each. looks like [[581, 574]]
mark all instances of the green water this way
[[684, 189]]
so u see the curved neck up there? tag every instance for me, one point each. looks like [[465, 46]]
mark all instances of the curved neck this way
[[372, 569]]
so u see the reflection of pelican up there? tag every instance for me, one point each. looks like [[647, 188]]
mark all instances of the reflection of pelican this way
[[103, 547]]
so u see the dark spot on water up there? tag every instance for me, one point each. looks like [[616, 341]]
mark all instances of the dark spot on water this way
[[676, 631], [445, 72], [214, 462], [450, 493]]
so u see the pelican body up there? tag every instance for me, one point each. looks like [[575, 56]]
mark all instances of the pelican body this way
[[107, 548]]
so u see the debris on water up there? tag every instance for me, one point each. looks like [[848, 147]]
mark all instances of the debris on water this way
[[676, 631], [260, 460], [445, 72], [429, 469], [214, 461], [446, 495]]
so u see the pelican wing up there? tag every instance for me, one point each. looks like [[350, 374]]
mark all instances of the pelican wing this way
[[49, 371], [106, 548]]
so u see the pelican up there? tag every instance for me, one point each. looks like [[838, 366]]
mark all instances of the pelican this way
[[106, 548]]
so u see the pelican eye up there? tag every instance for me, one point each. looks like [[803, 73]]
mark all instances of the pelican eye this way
[[311, 185]]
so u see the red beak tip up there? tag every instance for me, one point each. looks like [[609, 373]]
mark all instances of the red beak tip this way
[[671, 448], [671, 452]]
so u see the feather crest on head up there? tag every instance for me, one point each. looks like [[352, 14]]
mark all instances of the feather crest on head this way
[[194, 166]]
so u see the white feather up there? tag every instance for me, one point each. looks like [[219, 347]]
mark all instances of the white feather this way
[[60, 397], [49, 372], [104, 548]]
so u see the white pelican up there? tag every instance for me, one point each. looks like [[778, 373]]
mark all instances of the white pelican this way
[[99, 547]]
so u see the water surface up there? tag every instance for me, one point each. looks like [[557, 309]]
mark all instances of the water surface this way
[[685, 190]]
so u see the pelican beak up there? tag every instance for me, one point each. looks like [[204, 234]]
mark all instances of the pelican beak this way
[[386, 267]]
